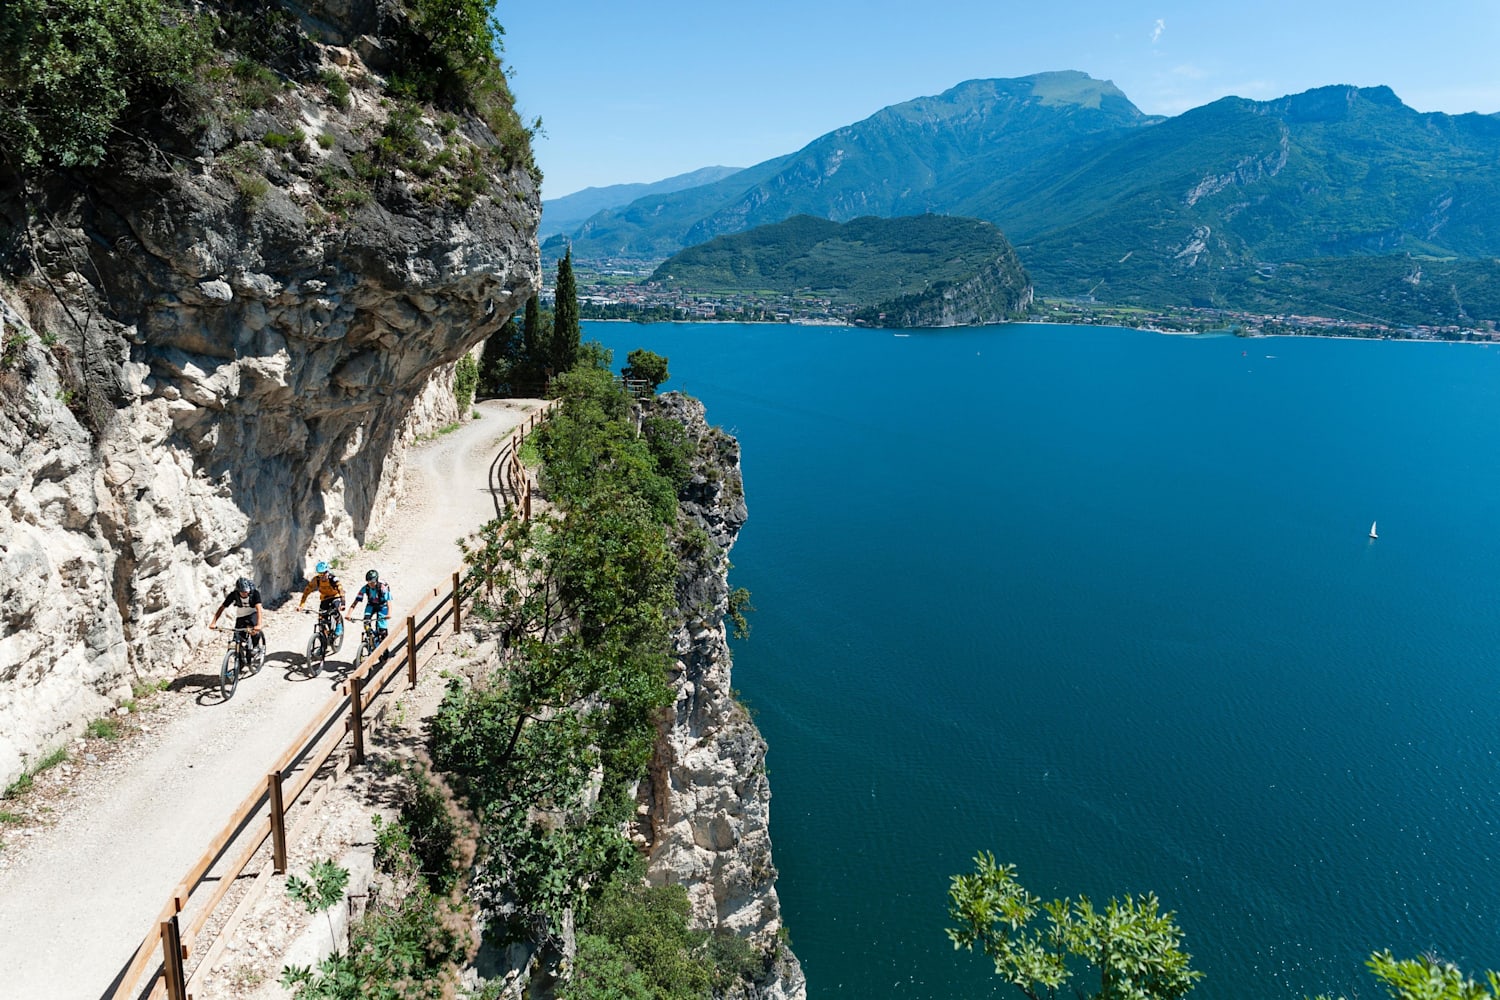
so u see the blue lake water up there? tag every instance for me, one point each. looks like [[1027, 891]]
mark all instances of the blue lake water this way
[[1103, 602]]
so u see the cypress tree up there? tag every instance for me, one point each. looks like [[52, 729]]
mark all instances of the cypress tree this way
[[532, 323], [566, 333]]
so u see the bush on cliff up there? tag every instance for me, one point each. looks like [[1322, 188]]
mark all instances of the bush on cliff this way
[[73, 73]]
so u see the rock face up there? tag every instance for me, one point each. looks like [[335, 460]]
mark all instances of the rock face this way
[[208, 372], [705, 809], [996, 293]]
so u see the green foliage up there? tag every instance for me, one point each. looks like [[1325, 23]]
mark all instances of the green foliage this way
[[581, 602], [448, 57], [498, 359], [635, 942], [26, 781], [338, 87], [1429, 978], [670, 448], [14, 351], [465, 381], [429, 833], [567, 334], [323, 887], [739, 603], [107, 728], [878, 265], [75, 72], [410, 940], [646, 366], [1135, 949]]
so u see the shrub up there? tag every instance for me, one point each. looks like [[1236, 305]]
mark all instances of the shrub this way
[[338, 87], [72, 71], [465, 381]]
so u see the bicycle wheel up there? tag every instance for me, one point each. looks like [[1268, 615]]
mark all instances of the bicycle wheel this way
[[315, 653], [229, 673], [257, 655]]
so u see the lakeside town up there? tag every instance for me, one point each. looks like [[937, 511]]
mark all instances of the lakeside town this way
[[620, 290]]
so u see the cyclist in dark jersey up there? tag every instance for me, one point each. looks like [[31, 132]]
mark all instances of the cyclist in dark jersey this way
[[245, 599]]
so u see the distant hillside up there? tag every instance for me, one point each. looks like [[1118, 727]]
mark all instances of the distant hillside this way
[[925, 270], [1253, 204], [920, 156], [565, 214]]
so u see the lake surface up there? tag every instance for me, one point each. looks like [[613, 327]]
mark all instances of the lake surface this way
[[1103, 602]]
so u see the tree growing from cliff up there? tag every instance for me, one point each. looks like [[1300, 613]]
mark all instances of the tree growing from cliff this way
[[567, 335], [646, 366], [1135, 949]]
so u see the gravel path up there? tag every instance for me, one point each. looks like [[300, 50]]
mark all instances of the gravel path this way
[[78, 894]]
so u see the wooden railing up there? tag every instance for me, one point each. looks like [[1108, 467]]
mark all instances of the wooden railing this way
[[159, 967]]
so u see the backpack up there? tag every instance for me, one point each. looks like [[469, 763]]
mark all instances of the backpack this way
[[383, 593]]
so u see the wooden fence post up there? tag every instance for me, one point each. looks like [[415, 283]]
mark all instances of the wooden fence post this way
[[458, 606], [278, 822], [411, 650], [171, 957], [357, 718]]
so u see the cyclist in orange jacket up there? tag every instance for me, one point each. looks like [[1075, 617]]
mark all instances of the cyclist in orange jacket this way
[[326, 583]]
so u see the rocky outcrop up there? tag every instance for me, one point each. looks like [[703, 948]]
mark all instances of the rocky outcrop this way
[[995, 293], [215, 349], [704, 812]]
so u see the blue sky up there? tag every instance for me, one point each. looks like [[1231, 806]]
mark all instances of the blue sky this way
[[633, 92]]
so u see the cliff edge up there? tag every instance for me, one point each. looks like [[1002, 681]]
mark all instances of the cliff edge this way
[[216, 343], [704, 811]]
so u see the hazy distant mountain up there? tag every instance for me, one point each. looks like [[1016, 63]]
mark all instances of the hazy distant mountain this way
[[1262, 204], [922, 270], [563, 215]]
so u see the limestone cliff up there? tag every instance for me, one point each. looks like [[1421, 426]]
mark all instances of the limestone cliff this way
[[215, 346], [998, 291], [704, 812]]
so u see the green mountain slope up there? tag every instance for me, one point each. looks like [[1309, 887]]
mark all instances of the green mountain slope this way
[[924, 270], [920, 156]]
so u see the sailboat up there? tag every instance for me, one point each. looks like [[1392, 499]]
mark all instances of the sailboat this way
[[1372, 530]]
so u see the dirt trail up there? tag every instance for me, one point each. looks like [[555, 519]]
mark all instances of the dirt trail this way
[[77, 896]]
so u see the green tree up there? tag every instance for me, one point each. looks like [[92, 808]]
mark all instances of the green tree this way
[[646, 366], [566, 332], [530, 370], [497, 360], [1134, 947], [465, 381]]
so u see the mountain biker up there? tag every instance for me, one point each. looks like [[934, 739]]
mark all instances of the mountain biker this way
[[245, 599], [378, 593], [326, 583]]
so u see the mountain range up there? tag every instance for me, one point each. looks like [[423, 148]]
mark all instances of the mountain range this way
[[1273, 205], [563, 215]]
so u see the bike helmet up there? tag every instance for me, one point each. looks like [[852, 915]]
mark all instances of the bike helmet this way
[[243, 585], [371, 576], [322, 567]]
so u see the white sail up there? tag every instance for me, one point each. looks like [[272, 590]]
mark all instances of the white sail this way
[[1372, 530]]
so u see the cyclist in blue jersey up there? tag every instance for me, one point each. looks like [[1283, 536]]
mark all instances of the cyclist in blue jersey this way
[[376, 594]]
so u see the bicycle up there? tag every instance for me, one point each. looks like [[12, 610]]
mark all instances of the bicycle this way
[[372, 637], [244, 656], [325, 639]]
